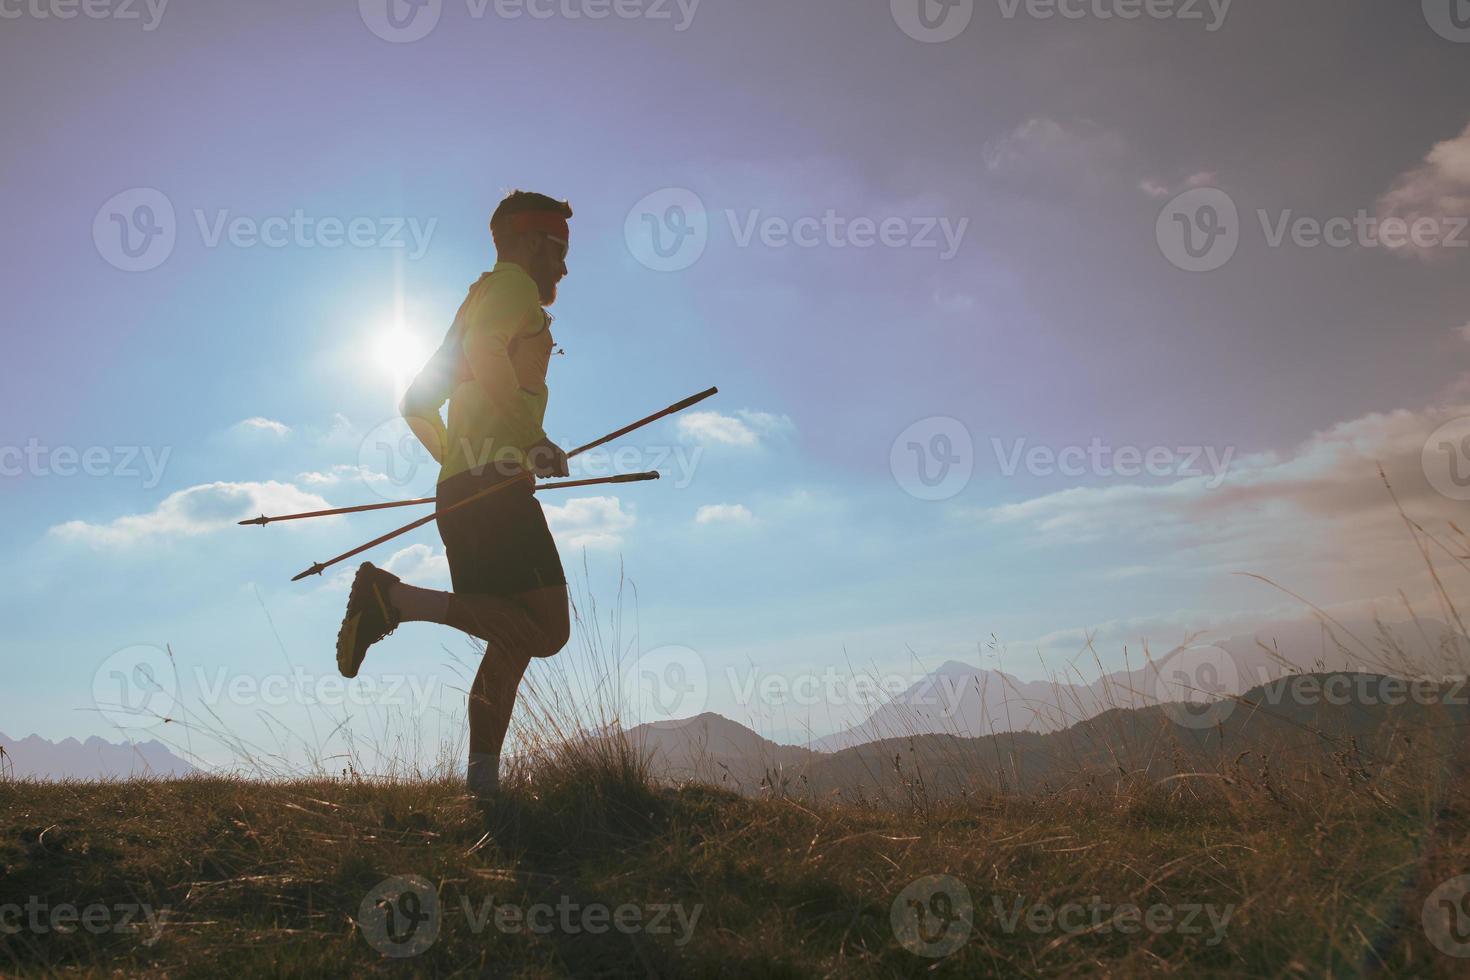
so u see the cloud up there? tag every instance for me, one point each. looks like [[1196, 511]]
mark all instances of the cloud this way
[[1438, 190], [1318, 513], [589, 522], [339, 473], [724, 514], [420, 565], [260, 424], [1156, 188], [746, 428], [196, 510], [1077, 155]]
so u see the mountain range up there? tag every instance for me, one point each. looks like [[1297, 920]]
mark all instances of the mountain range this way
[[34, 757]]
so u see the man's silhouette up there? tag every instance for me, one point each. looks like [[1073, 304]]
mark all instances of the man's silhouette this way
[[508, 585]]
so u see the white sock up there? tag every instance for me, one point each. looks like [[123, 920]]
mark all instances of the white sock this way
[[416, 605], [483, 777]]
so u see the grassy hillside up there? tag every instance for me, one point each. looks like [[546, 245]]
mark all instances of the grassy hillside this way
[[595, 871]]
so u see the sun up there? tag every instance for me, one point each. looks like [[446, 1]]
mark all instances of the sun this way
[[399, 353]]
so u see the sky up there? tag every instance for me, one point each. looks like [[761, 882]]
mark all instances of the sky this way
[[1032, 323]]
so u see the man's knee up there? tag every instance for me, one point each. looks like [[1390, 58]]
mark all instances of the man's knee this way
[[551, 611]]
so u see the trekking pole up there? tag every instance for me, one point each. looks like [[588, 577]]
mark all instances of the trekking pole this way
[[263, 520], [679, 406]]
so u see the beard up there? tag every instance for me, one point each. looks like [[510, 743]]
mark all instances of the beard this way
[[547, 288]]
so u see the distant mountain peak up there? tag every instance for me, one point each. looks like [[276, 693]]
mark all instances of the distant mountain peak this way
[[34, 757]]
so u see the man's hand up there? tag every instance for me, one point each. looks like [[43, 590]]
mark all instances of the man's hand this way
[[547, 459]]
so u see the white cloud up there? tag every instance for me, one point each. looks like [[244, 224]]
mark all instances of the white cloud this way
[[724, 514], [589, 522], [1076, 155], [1438, 189], [339, 473], [1316, 514], [420, 565], [746, 428], [193, 511], [259, 424], [1156, 188]]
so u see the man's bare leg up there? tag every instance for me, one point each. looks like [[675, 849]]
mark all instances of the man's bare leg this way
[[516, 629]]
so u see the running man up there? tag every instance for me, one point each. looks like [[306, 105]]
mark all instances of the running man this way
[[508, 585]]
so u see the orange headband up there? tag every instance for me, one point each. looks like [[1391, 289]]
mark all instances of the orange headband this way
[[549, 222]]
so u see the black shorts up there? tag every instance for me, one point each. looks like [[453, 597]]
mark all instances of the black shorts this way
[[499, 545]]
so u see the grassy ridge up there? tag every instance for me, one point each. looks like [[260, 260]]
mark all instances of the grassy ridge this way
[[1316, 872]]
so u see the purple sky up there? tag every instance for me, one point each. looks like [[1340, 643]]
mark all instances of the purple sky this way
[[791, 531]]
